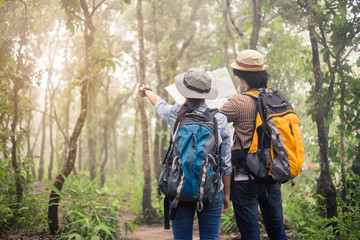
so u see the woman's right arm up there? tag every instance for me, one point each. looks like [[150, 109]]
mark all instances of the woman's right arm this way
[[162, 108], [149, 94]]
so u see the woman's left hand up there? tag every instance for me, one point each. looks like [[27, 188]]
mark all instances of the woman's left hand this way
[[226, 204]]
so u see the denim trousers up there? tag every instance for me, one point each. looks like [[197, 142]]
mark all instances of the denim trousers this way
[[209, 220], [246, 196]]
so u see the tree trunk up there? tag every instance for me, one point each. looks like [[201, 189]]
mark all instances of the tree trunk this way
[[115, 147], [342, 138], [51, 163], [18, 82], [91, 129], [134, 146], [228, 33], [67, 116], [43, 131], [80, 153], [159, 90], [256, 23], [238, 31], [70, 161], [14, 159], [146, 200], [106, 127], [325, 186], [30, 148], [355, 167]]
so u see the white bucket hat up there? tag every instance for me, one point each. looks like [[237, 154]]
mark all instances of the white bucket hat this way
[[195, 83], [250, 61]]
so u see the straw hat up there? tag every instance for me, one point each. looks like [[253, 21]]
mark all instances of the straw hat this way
[[195, 83], [250, 61]]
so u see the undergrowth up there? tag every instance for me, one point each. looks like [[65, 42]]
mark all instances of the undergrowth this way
[[301, 206], [28, 215], [87, 211]]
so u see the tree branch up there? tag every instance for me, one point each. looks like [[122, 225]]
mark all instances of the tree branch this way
[[193, 30], [66, 136], [96, 7], [75, 15], [241, 34]]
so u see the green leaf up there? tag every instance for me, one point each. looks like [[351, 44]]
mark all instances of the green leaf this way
[[326, 230], [74, 235], [278, 23], [77, 212], [328, 121], [20, 146], [113, 65], [219, 20], [6, 133], [341, 128], [103, 227], [3, 3], [310, 229], [265, 6], [3, 173], [114, 202]]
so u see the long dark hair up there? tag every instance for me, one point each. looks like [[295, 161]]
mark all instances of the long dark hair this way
[[190, 105]]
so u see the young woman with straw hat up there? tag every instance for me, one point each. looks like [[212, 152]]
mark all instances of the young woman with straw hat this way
[[246, 193]]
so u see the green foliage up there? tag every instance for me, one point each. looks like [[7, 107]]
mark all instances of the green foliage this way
[[3, 3], [301, 207], [87, 211], [30, 213], [228, 222]]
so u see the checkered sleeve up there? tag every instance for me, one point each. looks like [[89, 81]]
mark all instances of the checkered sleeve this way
[[230, 110]]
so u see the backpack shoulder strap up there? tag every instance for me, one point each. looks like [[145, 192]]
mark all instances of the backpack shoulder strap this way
[[255, 94], [251, 93], [216, 129]]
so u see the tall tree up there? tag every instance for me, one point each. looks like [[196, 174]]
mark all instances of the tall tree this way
[[17, 84], [51, 140], [91, 130], [89, 30], [324, 182], [49, 64], [159, 90], [256, 23], [19, 77], [239, 31], [146, 199]]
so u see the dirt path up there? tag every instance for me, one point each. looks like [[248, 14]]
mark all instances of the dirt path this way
[[157, 232]]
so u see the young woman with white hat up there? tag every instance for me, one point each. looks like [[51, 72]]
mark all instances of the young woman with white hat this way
[[195, 86]]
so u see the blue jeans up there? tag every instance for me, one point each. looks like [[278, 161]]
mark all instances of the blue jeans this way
[[209, 220], [246, 196]]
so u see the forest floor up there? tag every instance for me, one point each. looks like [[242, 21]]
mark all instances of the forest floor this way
[[157, 232], [142, 232]]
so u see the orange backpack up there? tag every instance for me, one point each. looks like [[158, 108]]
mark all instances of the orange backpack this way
[[277, 147]]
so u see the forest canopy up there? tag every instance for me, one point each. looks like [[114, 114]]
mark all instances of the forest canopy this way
[[78, 146]]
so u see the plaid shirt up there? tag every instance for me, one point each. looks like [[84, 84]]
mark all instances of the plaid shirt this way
[[240, 109]]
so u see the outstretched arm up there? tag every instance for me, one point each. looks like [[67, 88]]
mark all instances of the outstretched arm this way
[[143, 92]]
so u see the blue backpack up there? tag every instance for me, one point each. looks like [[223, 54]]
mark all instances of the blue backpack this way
[[192, 164]]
